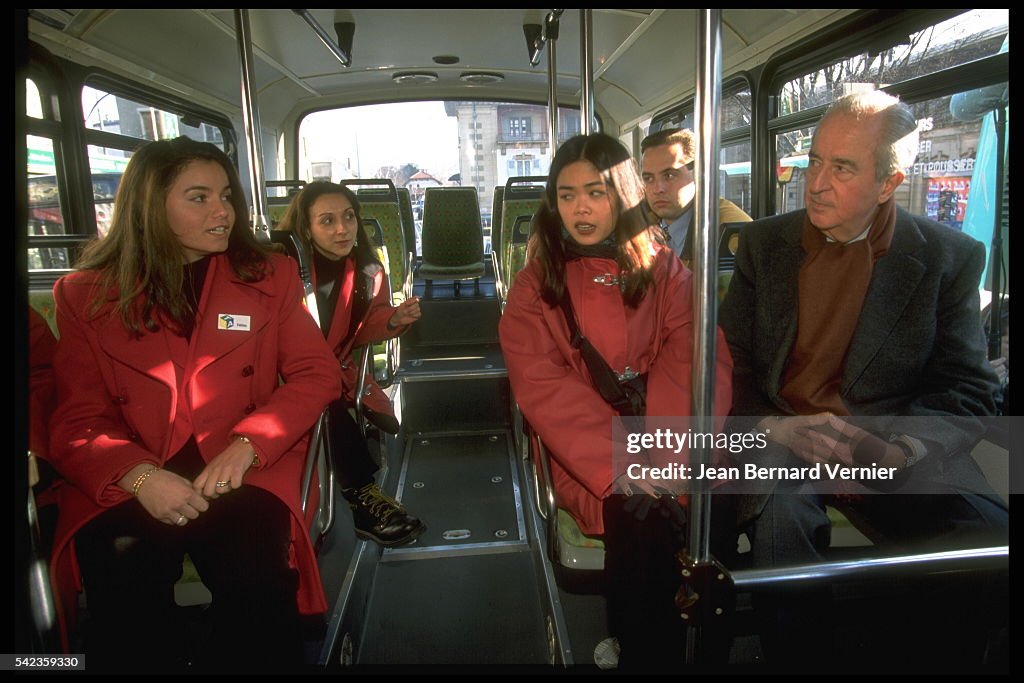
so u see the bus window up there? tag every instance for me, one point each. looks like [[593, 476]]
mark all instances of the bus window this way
[[734, 175], [970, 36], [114, 113], [791, 150], [477, 144], [33, 101], [44, 213], [938, 184], [106, 170]]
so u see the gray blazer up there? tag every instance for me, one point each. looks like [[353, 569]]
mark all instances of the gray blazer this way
[[918, 349]]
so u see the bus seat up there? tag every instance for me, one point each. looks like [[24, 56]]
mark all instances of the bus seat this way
[[42, 301], [381, 204], [453, 239], [516, 258], [317, 484], [376, 234], [496, 254], [408, 222], [523, 195], [567, 546], [383, 352], [279, 196], [496, 206], [728, 243]]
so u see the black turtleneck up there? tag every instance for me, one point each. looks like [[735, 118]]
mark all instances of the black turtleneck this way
[[193, 277], [328, 276], [574, 250]]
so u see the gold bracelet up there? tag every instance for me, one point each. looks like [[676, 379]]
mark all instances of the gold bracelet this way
[[255, 458], [142, 479]]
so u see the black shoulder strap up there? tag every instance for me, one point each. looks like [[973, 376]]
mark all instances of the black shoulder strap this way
[[604, 377]]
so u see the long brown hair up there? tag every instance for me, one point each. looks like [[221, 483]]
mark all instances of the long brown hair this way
[[141, 258], [633, 236], [296, 219]]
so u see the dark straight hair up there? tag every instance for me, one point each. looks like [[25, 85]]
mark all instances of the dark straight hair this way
[[633, 235]]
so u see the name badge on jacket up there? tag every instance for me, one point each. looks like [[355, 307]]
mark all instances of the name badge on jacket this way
[[233, 321]]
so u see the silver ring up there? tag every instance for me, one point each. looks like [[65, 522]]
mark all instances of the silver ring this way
[[182, 520], [223, 484]]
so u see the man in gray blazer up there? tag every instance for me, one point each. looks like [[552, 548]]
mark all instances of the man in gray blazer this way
[[856, 338]]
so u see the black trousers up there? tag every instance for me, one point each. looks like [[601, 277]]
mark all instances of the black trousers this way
[[130, 562], [642, 576], [353, 464]]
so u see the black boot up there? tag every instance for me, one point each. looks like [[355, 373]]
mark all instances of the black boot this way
[[379, 517]]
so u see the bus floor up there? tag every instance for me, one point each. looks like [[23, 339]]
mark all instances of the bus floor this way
[[470, 590]]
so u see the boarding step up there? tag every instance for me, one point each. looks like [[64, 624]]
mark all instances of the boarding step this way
[[427, 363], [456, 404], [449, 322]]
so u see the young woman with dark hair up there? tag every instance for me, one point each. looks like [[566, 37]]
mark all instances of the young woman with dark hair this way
[[593, 243], [355, 309]]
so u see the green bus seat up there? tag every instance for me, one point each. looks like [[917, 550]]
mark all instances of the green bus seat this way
[[453, 239], [380, 202], [522, 196]]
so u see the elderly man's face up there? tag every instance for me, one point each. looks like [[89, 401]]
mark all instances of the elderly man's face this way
[[842, 193]]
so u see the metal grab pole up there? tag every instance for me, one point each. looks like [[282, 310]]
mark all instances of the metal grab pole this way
[[995, 558], [708, 97], [253, 139], [709, 92], [342, 56], [587, 71], [551, 36]]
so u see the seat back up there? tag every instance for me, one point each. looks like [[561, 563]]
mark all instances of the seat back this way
[[567, 545], [496, 207], [452, 234], [518, 240], [384, 351], [279, 196], [378, 199], [317, 485], [728, 243], [522, 196], [376, 234], [408, 222], [42, 301]]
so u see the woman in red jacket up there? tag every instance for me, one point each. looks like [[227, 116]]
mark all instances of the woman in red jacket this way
[[355, 309], [172, 430], [593, 242]]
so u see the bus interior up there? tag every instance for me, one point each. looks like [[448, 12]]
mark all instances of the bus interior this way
[[445, 116]]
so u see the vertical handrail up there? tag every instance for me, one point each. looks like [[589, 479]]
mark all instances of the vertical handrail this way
[[587, 71], [708, 97], [551, 36], [253, 138]]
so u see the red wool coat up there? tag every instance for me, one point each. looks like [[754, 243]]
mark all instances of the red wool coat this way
[[370, 304], [42, 390], [551, 382], [118, 396]]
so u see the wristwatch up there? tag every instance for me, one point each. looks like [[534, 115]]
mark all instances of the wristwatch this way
[[910, 450]]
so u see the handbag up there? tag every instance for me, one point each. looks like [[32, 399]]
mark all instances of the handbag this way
[[629, 395]]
